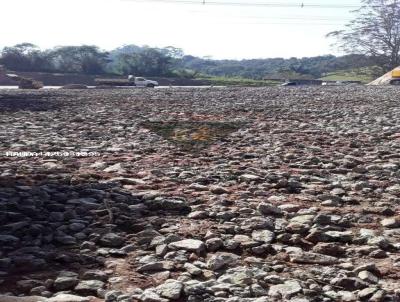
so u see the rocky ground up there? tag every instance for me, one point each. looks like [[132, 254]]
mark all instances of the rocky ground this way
[[231, 194]]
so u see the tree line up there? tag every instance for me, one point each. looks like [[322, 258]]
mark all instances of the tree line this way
[[89, 59], [166, 62]]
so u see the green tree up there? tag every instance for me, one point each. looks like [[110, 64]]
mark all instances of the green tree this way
[[80, 59], [146, 62], [26, 57], [374, 32]]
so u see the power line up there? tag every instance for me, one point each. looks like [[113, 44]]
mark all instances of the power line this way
[[283, 23], [295, 18], [301, 5]]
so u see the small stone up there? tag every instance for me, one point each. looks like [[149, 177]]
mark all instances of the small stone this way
[[379, 241], [112, 295], [161, 250], [8, 240], [111, 240], [192, 269], [115, 168], [168, 204], [303, 219], [313, 258], [367, 293], [89, 287], [221, 260], [264, 236], [329, 248], [249, 177], [67, 240], [339, 236], [214, 244], [393, 222], [290, 208], [368, 277], [150, 296], [218, 190], [268, 209], [198, 215], [198, 187], [349, 283], [347, 296], [156, 266], [65, 283], [371, 267], [240, 278], [95, 275]]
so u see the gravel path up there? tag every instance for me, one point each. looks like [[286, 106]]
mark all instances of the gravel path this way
[[213, 194]]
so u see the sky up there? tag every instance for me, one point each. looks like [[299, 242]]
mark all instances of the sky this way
[[220, 29]]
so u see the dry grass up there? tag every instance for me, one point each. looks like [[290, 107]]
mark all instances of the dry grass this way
[[192, 135]]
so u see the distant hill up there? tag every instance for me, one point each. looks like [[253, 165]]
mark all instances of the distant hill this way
[[313, 67]]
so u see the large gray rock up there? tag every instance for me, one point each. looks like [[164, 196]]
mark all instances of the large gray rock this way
[[313, 258], [393, 222], [221, 260], [171, 289], [329, 248], [239, 277], [150, 296], [156, 266], [168, 204], [65, 283], [89, 287], [286, 290], [269, 209], [192, 245], [192, 269], [349, 283], [263, 236], [112, 240]]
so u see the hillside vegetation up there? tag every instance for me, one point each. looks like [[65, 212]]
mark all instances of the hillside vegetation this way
[[365, 75], [172, 62]]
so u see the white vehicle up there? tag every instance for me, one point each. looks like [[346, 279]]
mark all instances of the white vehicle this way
[[142, 82]]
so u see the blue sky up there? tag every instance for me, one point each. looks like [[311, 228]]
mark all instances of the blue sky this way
[[219, 31]]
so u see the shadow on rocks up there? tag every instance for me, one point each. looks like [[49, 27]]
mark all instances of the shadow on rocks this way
[[13, 102], [49, 227]]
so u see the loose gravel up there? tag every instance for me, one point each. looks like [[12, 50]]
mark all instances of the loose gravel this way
[[216, 194]]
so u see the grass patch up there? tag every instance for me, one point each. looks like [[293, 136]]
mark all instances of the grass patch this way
[[364, 74], [192, 135], [236, 81]]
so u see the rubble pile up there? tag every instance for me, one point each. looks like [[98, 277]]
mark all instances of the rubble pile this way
[[212, 194], [26, 83]]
